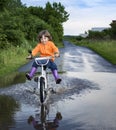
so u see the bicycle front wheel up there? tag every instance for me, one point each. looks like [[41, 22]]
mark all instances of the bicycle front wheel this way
[[42, 90]]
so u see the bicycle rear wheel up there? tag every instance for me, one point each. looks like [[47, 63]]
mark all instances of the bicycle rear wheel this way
[[42, 90]]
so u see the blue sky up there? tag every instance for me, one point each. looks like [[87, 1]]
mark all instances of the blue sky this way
[[84, 14]]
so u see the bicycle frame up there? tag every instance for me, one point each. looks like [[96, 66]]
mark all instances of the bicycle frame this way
[[42, 78]]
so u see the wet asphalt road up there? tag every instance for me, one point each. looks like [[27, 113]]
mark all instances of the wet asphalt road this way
[[85, 98]]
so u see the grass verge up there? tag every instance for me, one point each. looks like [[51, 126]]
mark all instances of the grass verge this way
[[11, 59]]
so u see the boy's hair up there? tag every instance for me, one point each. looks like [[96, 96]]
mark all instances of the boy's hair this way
[[46, 34]]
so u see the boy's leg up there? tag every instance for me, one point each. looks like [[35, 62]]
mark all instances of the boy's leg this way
[[53, 68], [56, 76], [32, 72]]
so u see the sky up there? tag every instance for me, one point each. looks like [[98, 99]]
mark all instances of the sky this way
[[84, 14]]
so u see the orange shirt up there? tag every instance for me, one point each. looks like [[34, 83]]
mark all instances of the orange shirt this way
[[47, 49]]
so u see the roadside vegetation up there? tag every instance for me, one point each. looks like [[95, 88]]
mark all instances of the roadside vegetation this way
[[11, 59]]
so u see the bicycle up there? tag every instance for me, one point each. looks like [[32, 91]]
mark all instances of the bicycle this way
[[42, 79]]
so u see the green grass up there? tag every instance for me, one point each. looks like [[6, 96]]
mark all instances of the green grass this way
[[11, 59]]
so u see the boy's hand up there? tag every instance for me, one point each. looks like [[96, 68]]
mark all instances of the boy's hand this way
[[57, 55]]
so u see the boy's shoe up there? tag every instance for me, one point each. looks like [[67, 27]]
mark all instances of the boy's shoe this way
[[58, 81], [28, 77]]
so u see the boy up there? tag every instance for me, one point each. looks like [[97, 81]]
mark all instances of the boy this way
[[45, 47]]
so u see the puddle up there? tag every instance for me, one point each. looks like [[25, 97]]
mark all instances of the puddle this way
[[85, 98]]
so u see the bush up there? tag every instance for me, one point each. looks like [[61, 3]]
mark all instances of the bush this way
[[15, 37]]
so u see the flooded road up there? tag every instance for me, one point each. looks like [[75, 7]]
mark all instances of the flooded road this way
[[85, 98]]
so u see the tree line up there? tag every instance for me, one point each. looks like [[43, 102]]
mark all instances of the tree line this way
[[106, 34], [19, 23]]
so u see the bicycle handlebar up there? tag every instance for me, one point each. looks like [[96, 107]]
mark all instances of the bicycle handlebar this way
[[43, 58], [39, 58]]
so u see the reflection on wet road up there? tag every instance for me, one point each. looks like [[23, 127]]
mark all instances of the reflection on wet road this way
[[85, 98]]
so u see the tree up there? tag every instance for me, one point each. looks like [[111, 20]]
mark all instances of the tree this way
[[10, 4], [113, 29], [19, 23], [55, 15], [36, 11]]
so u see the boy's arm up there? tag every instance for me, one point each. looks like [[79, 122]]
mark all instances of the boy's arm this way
[[35, 51]]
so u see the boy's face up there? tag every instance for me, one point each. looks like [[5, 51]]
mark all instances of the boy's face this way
[[44, 39]]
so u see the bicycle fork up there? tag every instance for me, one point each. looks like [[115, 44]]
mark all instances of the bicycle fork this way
[[44, 76]]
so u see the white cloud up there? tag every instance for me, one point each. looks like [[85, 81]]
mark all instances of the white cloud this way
[[83, 19]]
